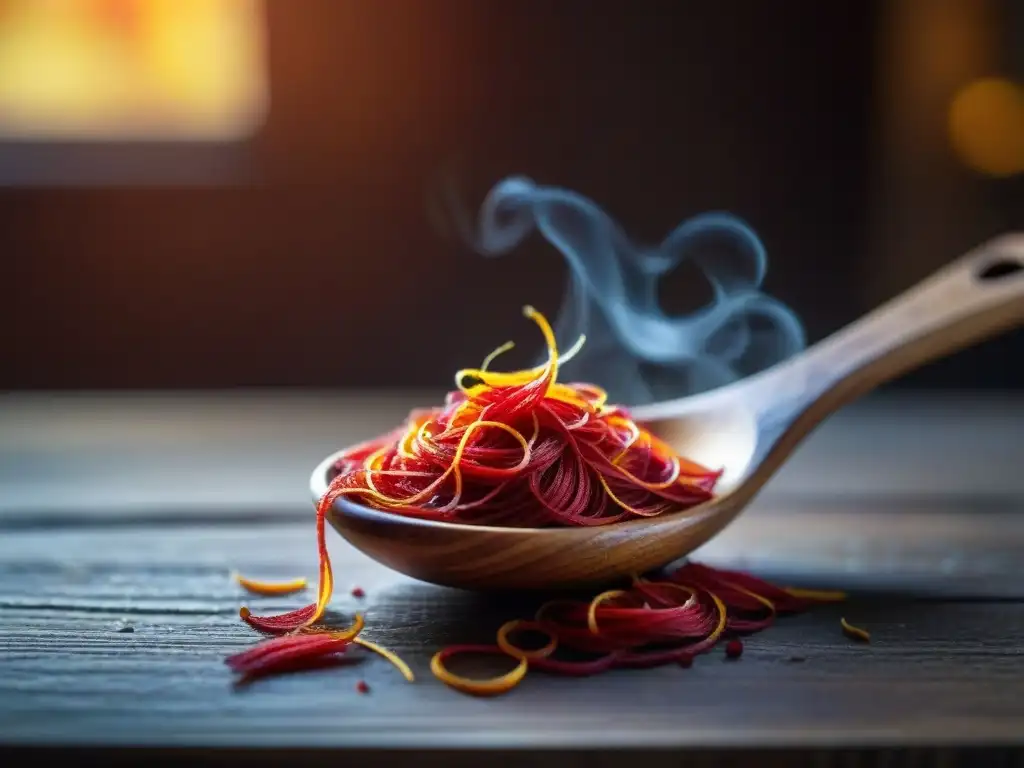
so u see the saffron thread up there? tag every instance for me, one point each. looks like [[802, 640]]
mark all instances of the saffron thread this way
[[856, 633]]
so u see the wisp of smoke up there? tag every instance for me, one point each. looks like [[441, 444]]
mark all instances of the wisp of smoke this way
[[634, 349]]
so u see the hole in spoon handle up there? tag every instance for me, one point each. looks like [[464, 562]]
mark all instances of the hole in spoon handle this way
[[1000, 268]]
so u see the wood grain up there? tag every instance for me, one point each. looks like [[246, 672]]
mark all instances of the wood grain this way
[[939, 671]]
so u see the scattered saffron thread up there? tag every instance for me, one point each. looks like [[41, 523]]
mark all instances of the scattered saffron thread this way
[[490, 687], [652, 623], [289, 653], [853, 632], [271, 587], [391, 656]]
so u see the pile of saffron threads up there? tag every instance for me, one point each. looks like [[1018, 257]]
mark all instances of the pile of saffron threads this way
[[513, 449], [521, 449]]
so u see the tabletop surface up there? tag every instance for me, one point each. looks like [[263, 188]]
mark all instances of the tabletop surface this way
[[123, 518]]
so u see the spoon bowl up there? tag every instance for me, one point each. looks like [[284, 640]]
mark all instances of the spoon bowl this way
[[490, 558], [748, 429]]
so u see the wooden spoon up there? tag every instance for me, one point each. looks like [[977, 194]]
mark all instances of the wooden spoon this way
[[749, 428]]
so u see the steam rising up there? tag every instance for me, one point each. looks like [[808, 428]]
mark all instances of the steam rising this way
[[634, 349]]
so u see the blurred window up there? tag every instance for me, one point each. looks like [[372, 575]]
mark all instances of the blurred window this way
[[131, 69]]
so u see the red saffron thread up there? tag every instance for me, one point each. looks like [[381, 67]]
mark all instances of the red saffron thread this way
[[362, 687], [288, 653]]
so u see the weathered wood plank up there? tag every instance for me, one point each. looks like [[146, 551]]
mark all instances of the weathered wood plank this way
[[114, 457], [880, 545], [936, 672], [554, 757], [118, 456]]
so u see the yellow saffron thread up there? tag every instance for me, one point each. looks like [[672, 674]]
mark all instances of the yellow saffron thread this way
[[391, 656], [258, 587], [855, 632]]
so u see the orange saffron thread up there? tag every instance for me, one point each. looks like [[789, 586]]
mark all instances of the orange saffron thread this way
[[271, 587], [492, 686]]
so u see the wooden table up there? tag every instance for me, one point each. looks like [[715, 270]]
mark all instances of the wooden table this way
[[123, 517]]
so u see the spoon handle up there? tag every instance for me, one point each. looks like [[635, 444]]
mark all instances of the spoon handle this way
[[977, 296]]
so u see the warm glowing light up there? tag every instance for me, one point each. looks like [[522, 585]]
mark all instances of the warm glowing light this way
[[131, 69], [986, 124]]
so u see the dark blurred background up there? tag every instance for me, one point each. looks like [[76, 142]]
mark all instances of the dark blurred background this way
[[266, 211]]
